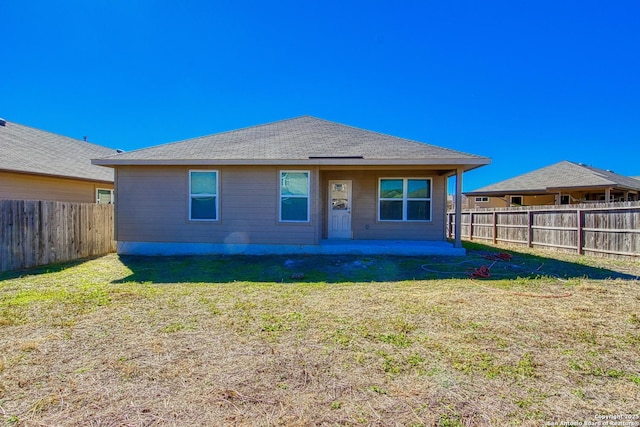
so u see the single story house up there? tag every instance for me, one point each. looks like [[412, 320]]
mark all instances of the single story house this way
[[303, 185], [561, 183], [39, 165]]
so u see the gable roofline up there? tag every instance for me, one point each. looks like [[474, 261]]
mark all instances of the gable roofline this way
[[303, 140]]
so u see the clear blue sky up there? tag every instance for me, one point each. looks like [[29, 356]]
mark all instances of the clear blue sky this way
[[526, 83]]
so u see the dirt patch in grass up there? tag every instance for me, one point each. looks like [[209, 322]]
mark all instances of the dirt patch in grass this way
[[355, 341]]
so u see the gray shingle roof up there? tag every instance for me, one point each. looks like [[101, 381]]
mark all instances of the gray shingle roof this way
[[302, 140], [562, 175], [28, 150]]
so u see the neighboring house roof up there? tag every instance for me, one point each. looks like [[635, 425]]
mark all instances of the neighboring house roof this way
[[302, 141], [559, 176], [24, 149]]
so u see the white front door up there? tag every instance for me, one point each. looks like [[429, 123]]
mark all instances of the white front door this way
[[339, 209]]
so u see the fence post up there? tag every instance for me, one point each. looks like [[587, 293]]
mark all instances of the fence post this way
[[495, 227], [530, 230], [453, 226], [580, 237], [470, 225]]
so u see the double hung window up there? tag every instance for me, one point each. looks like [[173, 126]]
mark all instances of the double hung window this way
[[294, 196], [203, 195], [404, 199]]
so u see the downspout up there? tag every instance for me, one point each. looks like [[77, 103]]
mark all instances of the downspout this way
[[457, 243]]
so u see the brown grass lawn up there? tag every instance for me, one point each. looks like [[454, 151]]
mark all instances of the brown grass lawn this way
[[216, 341]]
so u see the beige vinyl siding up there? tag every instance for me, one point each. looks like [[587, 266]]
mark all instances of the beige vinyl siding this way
[[20, 186], [153, 206], [364, 213]]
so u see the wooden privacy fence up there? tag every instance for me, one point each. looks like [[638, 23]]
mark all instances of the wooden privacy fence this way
[[611, 230], [36, 233]]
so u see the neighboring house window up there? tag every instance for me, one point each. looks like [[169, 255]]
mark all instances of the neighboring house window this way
[[483, 199], [104, 196], [203, 195], [404, 199], [565, 200], [294, 196], [516, 200]]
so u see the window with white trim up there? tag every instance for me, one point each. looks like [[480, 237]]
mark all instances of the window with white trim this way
[[404, 199], [203, 195], [482, 199], [294, 196], [104, 196]]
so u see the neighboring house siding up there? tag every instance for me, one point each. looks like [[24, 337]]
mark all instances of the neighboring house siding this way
[[537, 200], [20, 186], [502, 202], [152, 204], [492, 202]]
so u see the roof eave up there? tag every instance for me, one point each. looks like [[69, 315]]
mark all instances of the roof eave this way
[[592, 187], [51, 175], [549, 190], [498, 193], [471, 163]]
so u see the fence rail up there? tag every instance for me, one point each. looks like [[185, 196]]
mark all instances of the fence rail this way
[[34, 233], [611, 230]]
